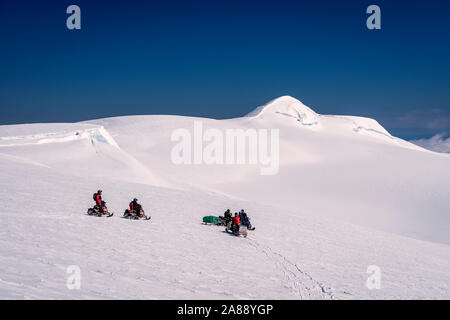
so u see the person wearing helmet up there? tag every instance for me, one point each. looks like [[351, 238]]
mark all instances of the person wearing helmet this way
[[242, 215], [136, 208], [99, 203], [245, 220], [227, 215]]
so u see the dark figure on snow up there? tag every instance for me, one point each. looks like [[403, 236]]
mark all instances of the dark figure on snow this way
[[242, 215], [245, 221], [136, 208], [228, 216], [236, 223], [99, 203]]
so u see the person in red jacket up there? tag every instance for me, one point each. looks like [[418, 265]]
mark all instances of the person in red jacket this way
[[136, 208], [98, 200], [236, 223]]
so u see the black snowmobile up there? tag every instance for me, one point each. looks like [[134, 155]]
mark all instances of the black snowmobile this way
[[248, 225], [237, 231], [245, 221], [103, 212], [133, 215], [223, 220]]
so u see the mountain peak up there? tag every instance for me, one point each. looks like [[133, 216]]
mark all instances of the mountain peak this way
[[286, 106]]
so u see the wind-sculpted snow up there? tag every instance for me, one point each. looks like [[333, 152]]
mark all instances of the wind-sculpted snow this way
[[81, 149], [288, 107], [92, 133]]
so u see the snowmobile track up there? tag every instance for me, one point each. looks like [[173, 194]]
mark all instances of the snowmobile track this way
[[302, 284]]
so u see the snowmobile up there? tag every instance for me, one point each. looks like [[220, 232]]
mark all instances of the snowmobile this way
[[232, 229], [248, 225], [128, 214], [223, 221], [245, 221], [95, 211]]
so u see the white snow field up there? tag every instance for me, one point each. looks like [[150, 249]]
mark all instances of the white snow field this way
[[347, 196]]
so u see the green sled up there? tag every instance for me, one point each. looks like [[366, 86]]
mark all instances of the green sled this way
[[211, 219]]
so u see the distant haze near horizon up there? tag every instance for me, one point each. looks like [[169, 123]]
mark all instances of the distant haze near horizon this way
[[222, 59]]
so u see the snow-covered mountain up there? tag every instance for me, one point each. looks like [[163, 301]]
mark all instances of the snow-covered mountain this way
[[347, 195]]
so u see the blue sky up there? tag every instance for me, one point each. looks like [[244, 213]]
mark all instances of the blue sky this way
[[221, 59]]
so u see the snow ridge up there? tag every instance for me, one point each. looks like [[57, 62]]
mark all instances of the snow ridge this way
[[97, 133], [289, 107]]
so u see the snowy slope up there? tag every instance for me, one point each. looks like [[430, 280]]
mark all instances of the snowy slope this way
[[81, 149], [175, 256], [346, 195], [342, 167]]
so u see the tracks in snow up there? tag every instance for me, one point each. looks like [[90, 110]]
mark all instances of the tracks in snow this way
[[302, 284]]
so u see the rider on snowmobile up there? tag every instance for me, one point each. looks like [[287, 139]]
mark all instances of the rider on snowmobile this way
[[236, 223], [228, 216], [242, 215], [136, 208], [245, 220], [98, 200], [226, 219]]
